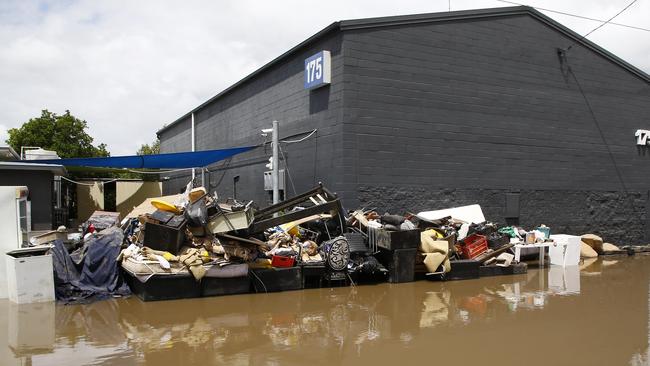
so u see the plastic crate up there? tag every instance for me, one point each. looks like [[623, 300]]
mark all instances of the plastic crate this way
[[473, 246], [279, 261], [163, 237], [400, 264]]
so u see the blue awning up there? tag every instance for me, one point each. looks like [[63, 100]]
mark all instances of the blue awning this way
[[196, 159]]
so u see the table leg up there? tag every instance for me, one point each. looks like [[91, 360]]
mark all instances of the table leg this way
[[541, 257]]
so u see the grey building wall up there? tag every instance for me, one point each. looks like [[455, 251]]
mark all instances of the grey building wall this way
[[40, 188], [432, 115], [236, 119], [464, 112]]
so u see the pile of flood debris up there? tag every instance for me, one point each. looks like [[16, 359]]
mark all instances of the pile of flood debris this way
[[193, 244]]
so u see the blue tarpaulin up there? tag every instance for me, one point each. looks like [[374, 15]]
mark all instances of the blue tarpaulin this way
[[196, 159]]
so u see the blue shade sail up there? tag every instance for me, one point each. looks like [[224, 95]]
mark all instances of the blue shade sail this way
[[181, 160]]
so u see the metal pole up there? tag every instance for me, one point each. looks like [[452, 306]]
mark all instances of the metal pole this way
[[193, 147], [275, 162]]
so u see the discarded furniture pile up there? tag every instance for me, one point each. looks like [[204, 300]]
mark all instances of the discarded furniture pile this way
[[193, 245]]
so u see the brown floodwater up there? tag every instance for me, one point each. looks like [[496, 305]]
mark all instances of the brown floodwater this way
[[596, 316]]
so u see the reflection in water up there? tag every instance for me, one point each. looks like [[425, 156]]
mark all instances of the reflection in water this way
[[553, 309]]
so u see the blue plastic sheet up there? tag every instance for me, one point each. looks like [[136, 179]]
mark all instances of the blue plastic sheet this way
[[92, 272], [182, 160]]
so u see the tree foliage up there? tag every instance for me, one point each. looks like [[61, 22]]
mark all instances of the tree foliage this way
[[147, 149], [64, 134]]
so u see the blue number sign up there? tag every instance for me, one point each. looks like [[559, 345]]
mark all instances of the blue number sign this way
[[318, 70]]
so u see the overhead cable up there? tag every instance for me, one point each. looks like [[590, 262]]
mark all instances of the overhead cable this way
[[578, 16], [87, 184], [598, 27], [302, 139], [158, 172]]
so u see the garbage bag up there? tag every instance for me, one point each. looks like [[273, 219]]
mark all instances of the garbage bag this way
[[197, 213], [395, 220], [91, 272]]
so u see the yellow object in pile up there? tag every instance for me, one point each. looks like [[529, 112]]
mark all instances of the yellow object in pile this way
[[170, 257], [260, 263], [293, 231], [165, 206], [196, 193]]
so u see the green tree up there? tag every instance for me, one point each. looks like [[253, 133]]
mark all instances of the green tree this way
[[147, 149], [64, 134]]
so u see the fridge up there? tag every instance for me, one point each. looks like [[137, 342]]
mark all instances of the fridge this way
[[15, 223]]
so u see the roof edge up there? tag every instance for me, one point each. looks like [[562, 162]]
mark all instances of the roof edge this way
[[579, 39], [432, 17], [20, 165]]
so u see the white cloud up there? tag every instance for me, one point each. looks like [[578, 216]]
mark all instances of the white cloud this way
[[128, 67]]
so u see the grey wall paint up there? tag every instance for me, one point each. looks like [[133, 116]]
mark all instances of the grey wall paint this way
[[486, 106], [40, 188], [618, 217], [237, 118], [479, 107]]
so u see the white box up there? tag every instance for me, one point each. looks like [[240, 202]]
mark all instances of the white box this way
[[14, 224], [567, 250], [29, 278]]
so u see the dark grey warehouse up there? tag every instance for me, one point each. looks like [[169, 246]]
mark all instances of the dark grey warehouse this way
[[502, 107]]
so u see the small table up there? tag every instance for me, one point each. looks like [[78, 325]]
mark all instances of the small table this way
[[541, 247]]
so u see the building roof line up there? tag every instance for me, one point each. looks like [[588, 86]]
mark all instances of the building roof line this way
[[20, 165], [421, 19]]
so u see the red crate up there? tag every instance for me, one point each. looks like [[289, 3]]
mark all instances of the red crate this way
[[281, 262], [473, 246]]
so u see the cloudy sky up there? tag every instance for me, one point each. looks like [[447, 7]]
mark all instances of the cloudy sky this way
[[129, 67]]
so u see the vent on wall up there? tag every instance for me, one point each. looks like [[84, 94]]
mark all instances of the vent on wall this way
[[512, 208]]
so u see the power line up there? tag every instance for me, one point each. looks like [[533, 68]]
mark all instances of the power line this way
[[286, 166], [608, 20], [578, 16], [301, 140], [563, 57]]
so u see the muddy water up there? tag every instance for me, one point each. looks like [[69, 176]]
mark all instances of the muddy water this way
[[598, 316]]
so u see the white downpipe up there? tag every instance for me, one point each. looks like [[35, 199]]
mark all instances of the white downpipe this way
[[193, 145], [275, 162]]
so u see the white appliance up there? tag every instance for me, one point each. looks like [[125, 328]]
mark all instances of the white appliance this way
[[15, 222]]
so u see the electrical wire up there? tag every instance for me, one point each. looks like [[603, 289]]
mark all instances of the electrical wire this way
[[301, 140], [259, 279], [158, 172], [598, 27], [577, 16], [286, 166], [87, 184], [602, 135], [593, 116]]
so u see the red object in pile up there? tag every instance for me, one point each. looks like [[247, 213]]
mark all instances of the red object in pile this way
[[281, 262], [473, 246]]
